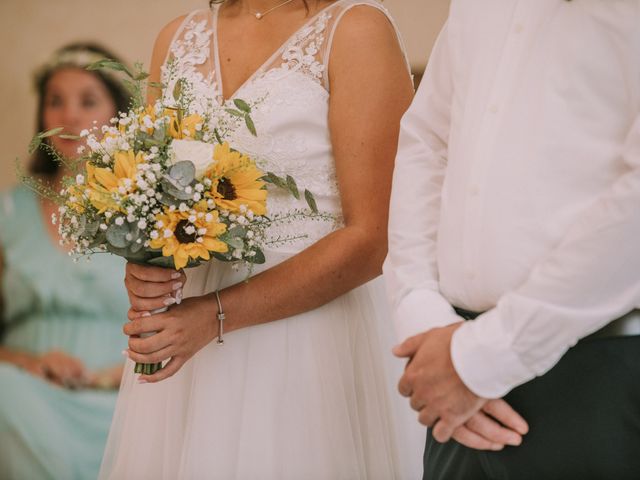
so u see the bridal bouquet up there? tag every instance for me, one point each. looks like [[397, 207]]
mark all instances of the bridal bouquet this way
[[161, 186]]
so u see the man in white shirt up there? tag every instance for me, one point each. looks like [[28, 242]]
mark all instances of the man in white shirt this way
[[516, 207]]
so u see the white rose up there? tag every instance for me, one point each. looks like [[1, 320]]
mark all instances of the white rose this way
[[198, 153]]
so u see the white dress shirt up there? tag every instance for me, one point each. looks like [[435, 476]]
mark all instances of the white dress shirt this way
[[517, 184]]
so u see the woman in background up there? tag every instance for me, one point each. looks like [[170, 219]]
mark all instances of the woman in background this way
[[60, 362]]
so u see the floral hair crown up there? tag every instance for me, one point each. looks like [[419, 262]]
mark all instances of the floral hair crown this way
[[75, 58]]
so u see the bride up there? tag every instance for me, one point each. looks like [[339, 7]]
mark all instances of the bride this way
[[301, 388]]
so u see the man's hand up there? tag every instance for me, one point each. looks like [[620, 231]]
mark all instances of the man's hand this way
[[493, 427], [446, 404], [431, 381]]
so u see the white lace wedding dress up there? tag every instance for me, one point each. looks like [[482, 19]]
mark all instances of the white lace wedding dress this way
[[307, 397]]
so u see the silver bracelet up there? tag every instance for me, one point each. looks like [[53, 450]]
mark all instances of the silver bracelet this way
[[221, 318]]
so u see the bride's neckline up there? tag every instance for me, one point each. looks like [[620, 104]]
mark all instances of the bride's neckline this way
[[268, 61]]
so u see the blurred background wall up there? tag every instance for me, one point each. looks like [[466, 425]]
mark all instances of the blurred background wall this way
[[31, 29]]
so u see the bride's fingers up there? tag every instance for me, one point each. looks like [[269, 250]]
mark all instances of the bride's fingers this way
[[170, 369], [149, 304], [148, 273], [151, 324], [144, 289], [155, 357], [150, 344], [135, 314]]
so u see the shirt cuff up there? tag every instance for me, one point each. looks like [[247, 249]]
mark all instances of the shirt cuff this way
[[422, 310], [482, 354]]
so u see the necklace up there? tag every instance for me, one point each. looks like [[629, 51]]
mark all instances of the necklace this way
[[260, 15]]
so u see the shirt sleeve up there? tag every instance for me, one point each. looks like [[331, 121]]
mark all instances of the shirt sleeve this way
[[410, 269], [589, 279]]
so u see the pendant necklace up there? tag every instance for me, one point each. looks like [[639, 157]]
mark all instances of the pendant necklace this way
[[260, 15]]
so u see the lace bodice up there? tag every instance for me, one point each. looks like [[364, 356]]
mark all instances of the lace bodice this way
[[290, 98]]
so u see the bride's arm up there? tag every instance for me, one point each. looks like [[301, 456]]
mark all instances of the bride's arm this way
[[367, 101]]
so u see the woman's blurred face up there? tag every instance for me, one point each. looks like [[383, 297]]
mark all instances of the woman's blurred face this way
[[73, 99]]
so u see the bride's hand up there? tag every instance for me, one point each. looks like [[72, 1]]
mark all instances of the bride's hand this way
[[150, 288], [180, 332]]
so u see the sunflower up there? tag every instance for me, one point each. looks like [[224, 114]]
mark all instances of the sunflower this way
[[181, 128], [188, 235], [236, 181], [104, 183]]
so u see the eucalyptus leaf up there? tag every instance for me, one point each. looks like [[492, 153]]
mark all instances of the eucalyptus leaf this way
[[177, 193], [250, 125], [311, 201], [138, 257], [70, 137], [168, 200], [98, 239], [165, 262], [91, 228], [242, 105], [235, 242], [159, 134], [183, 173], [222, 256], [237, 231], [259, 257], [82, 225], [293, 187], [156, 84], [117, 235], [237, 113]]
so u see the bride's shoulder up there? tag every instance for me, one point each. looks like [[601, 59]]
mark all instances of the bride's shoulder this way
[[363, 20], [363, 25]]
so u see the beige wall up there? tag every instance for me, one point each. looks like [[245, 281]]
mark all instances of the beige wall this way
[[31, 29]]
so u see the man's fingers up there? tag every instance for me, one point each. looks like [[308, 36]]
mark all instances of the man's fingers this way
[[470, 439], [502, 411], [491, 430], [443, 429], [408, 347], [405, 385], [427, 417]]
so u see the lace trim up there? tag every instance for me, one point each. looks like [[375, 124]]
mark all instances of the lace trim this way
[[186, 55], [301, 53]]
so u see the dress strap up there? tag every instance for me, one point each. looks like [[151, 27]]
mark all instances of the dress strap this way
[[343, 7]]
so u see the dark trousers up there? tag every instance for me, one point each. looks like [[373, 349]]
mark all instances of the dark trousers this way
[[584, 422]]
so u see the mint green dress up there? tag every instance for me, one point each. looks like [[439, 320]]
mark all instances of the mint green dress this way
[[50, 302]]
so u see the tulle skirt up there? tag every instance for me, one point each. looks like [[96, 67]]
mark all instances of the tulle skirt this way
[[308, 397]]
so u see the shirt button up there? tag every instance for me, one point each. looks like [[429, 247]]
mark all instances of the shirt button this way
[[471, 275], [518, 28], [493, 108], [474, 190]]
